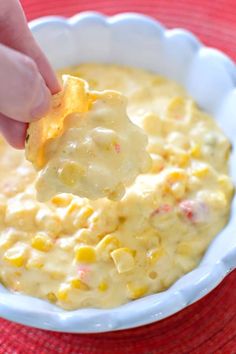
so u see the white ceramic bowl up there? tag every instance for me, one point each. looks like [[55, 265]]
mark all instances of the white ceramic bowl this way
[[210, 78]]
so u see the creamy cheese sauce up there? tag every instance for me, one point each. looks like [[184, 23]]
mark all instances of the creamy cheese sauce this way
[[98, 153], [76, 252]]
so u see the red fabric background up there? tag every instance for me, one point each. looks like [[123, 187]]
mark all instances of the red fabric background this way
[[209, 326]]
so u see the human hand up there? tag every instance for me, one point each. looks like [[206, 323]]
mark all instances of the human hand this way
[[26, 78]]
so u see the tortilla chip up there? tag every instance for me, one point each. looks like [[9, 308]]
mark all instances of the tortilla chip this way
[[74, 98]]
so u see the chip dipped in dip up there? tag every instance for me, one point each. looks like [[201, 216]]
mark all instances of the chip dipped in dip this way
[[93, 151]]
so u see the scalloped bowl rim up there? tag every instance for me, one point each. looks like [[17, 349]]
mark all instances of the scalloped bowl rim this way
[[187, 290]]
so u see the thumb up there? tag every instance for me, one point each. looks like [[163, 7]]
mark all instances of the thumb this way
[[23, 93]]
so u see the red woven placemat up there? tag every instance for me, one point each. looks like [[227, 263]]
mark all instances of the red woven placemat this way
[[209, 326]]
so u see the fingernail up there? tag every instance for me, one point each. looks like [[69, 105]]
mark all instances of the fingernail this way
[[42, 103]]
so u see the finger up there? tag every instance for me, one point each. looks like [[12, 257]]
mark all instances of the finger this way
[[13, 131], [14, 33], [23, 92]]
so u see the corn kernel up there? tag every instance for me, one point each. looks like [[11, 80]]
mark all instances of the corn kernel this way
[[72, 209], [155, 254], [176, 108], [117, 193], [70, 173], [36, 261], [176, 176], [61, 200], [81, 218], [85, 254], [86, 212], [157, 163], [71, 217], [156, 147], [57, 275], [136, 291], [108, 244], [123, 259], [78, 284], [226, 184], [103, 286], [48, 221], [177, 156], [218, 200], [34, 264], [195, 151], [178, 190], [166, 188], [16, 256], [6, 240], [151, 123], [63, 292], [51, 297], [106, 139], [183, 160], [201, 172], [178, 140], [223, 180], [42, 242]]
